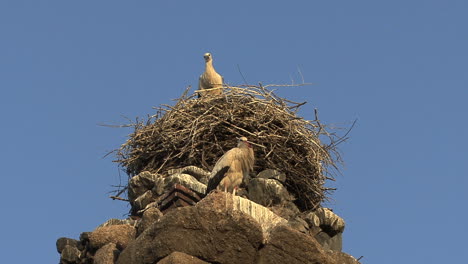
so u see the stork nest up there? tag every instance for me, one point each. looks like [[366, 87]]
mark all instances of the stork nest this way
[[198, 131]]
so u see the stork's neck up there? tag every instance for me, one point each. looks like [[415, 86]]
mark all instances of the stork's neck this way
[[244, 144], [209, 66]]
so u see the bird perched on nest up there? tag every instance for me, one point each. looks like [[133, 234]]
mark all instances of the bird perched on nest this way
[[232, 167], [210, 79]]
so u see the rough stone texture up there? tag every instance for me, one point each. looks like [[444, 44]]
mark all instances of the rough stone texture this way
[[150, 205], [202, 231], [141, 183], [286, 210], [145, 188], [200, 174], [299, 224], [180, 257], [120, 235], [84, 241], [289, 246], [64, 241], [342, 258], [84, 237], [264, 216], [86, 258], [186, 180], [330, 243], [291, 213], [272, 174], [107, 254], [70, 254], [327, 220], [143, 200], [221, 228], [115, 221], [159, 186], [267, 192], [150, 216]]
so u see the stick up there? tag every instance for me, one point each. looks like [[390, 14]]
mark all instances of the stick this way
[[119, 198]]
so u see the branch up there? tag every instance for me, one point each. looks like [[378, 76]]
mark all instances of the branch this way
[[119, 198]]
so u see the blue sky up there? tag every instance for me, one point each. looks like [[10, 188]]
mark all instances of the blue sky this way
[[399, 67]]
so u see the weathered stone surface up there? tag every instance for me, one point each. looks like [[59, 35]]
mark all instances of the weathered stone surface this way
[[64, 241], [267, 192], [342, 258], [150, 216], [143, 200], [180, 257], [264, 216], [186, 180], [120, 235], [159, 186], [330, 243], [70, 254], [272, 174], [88, 260], [200, 174], [107, 254], [146, 188], [291, 213], [289, 246], [141, 183], [203, 231], [326, 219], [299, 224], [286, 210], [84, 237], [327, 228], [115, 221]]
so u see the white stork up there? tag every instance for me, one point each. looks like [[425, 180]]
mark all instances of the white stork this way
[[210, 79], [232, 167]]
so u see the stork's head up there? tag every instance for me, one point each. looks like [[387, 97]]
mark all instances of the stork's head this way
[[207, 57], [243, 142]]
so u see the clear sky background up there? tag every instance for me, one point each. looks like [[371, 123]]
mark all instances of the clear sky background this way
[[399, 67]]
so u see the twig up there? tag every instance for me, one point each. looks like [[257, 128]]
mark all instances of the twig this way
[[300, 73], [118, 198], [287, 85], [344, 138], [238, 68], [114, 126], [121, 191]]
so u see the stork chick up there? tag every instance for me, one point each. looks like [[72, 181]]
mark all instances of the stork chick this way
[[210, 79], [232, 167]]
